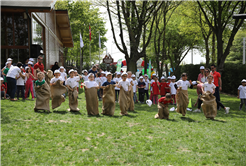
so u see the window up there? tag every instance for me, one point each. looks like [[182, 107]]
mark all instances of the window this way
[[37, 33]]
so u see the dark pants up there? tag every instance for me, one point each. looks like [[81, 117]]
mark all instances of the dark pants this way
[[20, 88], [243, 101], [199, 102], [11, 87], [141, 96], [2, 94], [217, 95], [147, 93], [117, 92]]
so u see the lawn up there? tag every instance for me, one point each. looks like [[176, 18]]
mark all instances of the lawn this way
[[65, 138]]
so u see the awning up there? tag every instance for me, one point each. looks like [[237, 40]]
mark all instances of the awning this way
[[63, 23]]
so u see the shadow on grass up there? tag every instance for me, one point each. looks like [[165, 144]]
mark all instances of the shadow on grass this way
[[42, 112], [4, 117], [60, 112], [217, 120], [188, 119], [172, 120], [75, 112]]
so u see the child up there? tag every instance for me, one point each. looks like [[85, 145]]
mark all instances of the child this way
[[85, 76], [48, 76], [173, 89], [146, 89], [57, 89], [242, 94], [71, 84], [155, 90], [151, 89], [130, 80], [182, 94], [63, 74], [108, 107], [99, 82], [124, 97], [42, 90], [134, 88], [198, 85], [20, 83], [91, 88], [163, 112], [163, 87], [141, 85], [117, 90], [168, 88], [77, 78], [3, 89], [29, 83]]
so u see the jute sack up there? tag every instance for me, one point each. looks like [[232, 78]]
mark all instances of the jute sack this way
[[43, 97], [73, 99], [124, 101], [182, 101], [108, 107], [209, 105], [48, 76], [91, 101], [131, 105], [56, 94], [163, 112]]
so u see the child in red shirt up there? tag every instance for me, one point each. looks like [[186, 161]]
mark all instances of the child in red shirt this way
[[163, 85], [168, 88], [155, 90], [163, 112], [3, 89]]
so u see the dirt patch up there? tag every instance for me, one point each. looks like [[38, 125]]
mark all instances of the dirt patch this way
[[51, 121], [150, 137], [64, 121], [132, 124], [88, 138], [27, 120], [100, 135], [83, 150]]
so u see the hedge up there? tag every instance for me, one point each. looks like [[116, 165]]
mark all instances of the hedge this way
[[231, 76]]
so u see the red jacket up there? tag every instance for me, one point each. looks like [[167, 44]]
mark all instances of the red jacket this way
[[155, 88]]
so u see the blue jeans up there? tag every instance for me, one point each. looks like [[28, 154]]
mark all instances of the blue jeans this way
[[217, 95], [20, 88], [134, 97], [117, 92], [11, 87], [147, 93]]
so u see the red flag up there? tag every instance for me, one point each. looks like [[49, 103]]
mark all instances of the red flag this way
[[90, 32]]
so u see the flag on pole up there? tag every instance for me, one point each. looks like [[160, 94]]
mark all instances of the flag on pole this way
[[99, 41], [81, 42], [90, 32], [119, 65], [149, 68]]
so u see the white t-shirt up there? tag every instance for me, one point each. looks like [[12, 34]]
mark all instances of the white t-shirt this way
[[117, 80], [85, 78], [77, 78], [54, 79], [242, 92], [64, 75], [20, 81], [173, 89], [134, 87], [129, 80], [71, 82], [183, 84], [98, 81], [124, 84], [208, 87], [13, 72], [103, 79], [90, 84], [146, 84]]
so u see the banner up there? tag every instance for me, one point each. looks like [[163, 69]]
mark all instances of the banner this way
[[99, 41], [119, 65], [81, 42], [149, 68], [90, 32]]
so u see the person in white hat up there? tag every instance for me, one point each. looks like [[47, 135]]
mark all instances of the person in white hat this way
[[8, 62], [141, 85], [29, 83], [109, 81], [201, 76], [163, 85], [134, 87], [168, 88], [103, 75], [30, 64], [151, 89], [57, 77], [77, 77], [242, 94], [173, 89], [117, 90], [63, 74], [5, 71], [163, 112], [85, 75], [20, 84], [155, 90], [146, 89]]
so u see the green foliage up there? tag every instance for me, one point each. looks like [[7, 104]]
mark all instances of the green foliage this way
[[65, 138]]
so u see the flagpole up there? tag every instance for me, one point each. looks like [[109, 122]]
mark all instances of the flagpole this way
[[90, 52], [80, 64], [90, 42], [99, 48]]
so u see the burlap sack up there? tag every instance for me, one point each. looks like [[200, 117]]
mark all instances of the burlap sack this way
[[131, 105], [73, 99], [42, 97], [108, 107], [56, 94], [124, 101], [163, 112], [182, 101], [48, 76], [209, 105], [91, 101]]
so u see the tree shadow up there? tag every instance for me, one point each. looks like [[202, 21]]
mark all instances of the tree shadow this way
[[188, 119], [217, 120], [60, 112], [172, 120]]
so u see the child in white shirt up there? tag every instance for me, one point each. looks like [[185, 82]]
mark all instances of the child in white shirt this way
[[98, 80], [20, 83], [173, 89], [117, 90], [134, 87], [242, 94], [63, 74]]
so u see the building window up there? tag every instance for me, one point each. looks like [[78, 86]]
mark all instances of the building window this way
[[37, 33]]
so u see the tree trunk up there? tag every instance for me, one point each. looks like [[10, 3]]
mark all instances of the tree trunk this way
[[213, 49], [166, 67], [207, 53], [132, 66], [145, 64], [219, 50]]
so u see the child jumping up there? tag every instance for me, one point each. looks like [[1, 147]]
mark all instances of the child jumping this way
[[242, 94], [163, 112]]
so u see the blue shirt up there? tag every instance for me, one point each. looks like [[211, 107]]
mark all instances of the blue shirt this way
[[108, 83], [94, 72]]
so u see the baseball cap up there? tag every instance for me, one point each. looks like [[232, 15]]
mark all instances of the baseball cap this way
[[133, 75], [118, 73], [1, 79], [153, 74], [30, 63], [146, 75], [124, 73], [169, 77], [173, 77], [71, 71], [57, 71], [141, 77], [194, 82], [31, 59], [27, 67], [162, 78], [61, 68], [9, 59], [202, 68], [243, 80], [108, 73]]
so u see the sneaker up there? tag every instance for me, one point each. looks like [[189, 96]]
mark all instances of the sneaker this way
[[32, 98], [227, 109], [197, 110]]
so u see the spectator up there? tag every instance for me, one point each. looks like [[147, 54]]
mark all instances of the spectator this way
[[201, 76], [55, 67], [39, 66], [217, 82], [93, 70]]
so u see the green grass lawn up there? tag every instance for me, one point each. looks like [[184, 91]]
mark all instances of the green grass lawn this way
[[65, 138]]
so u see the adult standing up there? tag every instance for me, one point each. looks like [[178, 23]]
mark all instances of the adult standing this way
[[93, 70], [55, 67], [201, 76], [217, 82], [11, 78], [39, 66]]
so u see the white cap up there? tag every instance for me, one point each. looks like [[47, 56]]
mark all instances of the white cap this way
[[57, 71], [9, 59], [141, 77], [169, 77], [243, 80], [1, 79], [153, 74], [162, 78], [173, 77], [71, 71], [124, 73], [7, 63], [75, 71], [118, 73], [104, 72], [27, 67], [146, 75], [31, 59], [194, 82], [30, 63], [202, 68], [108, 73], [61, 68], [90, 74], [84, 71], [133, 75], [149, 102]]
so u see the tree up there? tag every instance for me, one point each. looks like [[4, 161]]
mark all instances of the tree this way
[[222, 12], [133, 16]]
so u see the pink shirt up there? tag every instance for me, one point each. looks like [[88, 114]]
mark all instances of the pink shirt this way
[[200, 76]]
